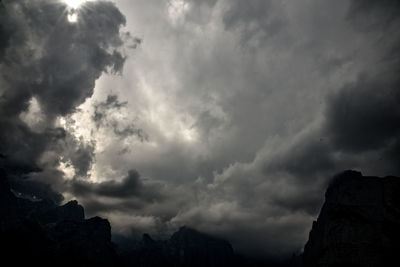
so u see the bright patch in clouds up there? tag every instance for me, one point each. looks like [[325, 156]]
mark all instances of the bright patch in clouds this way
[[177, 10], [73, 17], [67, 168], [33, 116], [74, 3], [189, 135]]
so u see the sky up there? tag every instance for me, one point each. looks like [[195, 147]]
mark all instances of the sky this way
[[227, 116]]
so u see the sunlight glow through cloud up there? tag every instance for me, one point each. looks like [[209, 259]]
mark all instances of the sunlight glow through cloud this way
[[67, 168], [74, 3], [72, 17], [177, 10]]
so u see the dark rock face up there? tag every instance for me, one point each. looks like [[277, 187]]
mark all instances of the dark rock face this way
[[359, 223], [186, 247], [86, 242], [70, 211], [41, 233], [192, 248]]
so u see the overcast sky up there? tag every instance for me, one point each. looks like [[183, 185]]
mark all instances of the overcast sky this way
[[228, 116]]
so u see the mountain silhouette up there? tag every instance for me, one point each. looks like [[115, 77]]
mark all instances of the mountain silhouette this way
[[359, 223]]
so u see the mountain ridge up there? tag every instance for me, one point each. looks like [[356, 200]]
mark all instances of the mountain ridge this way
[[358, 225]]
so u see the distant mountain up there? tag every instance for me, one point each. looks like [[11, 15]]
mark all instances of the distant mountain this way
[[359, 223], [186, 247]]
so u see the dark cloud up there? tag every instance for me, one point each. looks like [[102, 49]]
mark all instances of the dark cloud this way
[[35, 189], [48, 59], [5, 31], [358, 128], [305, 159], [77, 153], [362, 118], [368, 15], [69, 82], [128, 187], [365, 115], [131, 193]]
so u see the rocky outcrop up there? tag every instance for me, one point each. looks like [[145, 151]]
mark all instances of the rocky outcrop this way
[[359, 223], [70, 211], [85, 242], [41, 233]]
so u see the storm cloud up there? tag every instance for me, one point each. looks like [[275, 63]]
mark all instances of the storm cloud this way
[[229, 116], [49, 66]]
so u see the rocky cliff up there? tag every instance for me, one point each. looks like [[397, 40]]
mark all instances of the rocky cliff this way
[[40, 233], [359, 223]]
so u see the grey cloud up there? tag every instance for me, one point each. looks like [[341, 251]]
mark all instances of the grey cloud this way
[[130, 130], [305, 159], [362, 117], [207, 122], [135, 43], [200, 11], [80, 154], [34, 189], [102, 117], [59, 80], [356, 127], [254, 19], [209, 3], [83, 159], [5, 31], [131, 186], [131, 193], [245, 12], [100, 109], [69, 82], [371, 14]]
